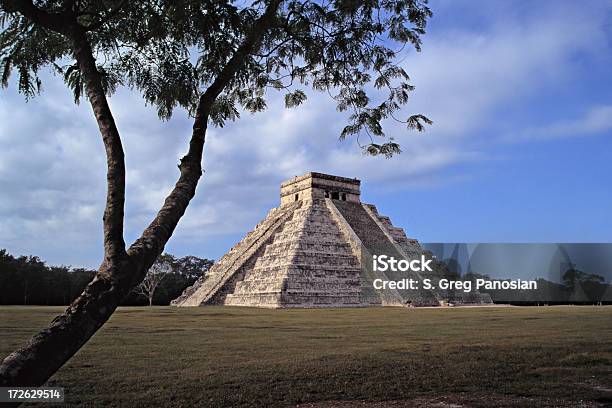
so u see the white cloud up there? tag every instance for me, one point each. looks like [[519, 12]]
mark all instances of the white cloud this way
[[597, 120]]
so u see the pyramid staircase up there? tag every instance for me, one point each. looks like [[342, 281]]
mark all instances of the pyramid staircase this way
[[222, 277], [307, 264]]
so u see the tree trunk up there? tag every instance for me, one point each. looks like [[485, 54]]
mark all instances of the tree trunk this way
[[150, 300], [121, 270]]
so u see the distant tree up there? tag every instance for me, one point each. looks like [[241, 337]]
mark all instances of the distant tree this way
[[573, 276], [185, 272], [210, 57], [592, 286], [192, 267], [155, 275], [168, 278]]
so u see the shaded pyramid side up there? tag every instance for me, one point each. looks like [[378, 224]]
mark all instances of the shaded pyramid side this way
[[411, 249], [378, 241], [308, 263], [368, 296]]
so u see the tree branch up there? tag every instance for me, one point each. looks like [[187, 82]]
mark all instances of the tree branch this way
[[65, 23], [114, 245], [58, 22], [150, 245], [112, 13]]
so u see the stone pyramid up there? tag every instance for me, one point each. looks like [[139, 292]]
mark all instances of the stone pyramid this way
[[315, 250]]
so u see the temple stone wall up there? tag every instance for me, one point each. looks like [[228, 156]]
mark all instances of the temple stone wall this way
[[313, 186]]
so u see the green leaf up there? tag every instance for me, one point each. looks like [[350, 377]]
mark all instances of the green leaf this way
[[414, 122], [294, 99]]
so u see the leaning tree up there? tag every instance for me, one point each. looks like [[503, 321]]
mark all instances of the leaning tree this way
[[213, 58]]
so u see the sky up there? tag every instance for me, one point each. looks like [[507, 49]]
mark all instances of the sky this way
[[520, 150]]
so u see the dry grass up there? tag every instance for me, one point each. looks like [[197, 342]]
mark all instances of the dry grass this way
[[216, 356]]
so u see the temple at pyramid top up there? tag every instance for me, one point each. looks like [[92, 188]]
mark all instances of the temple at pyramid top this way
[[319, 185], [316, 250]]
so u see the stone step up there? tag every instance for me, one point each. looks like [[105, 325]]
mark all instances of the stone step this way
[[315, 247]]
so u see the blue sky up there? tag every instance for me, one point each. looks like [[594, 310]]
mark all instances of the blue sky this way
[[520, 150], [544, 148]]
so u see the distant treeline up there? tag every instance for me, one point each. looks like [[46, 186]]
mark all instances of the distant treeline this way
[[27, 280], [577, 287]]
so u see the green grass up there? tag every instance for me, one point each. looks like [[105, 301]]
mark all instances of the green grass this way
[[218, 356]]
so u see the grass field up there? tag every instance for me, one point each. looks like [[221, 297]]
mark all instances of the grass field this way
[[161, 356]]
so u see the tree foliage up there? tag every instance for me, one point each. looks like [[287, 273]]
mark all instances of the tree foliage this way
[[171, 51], [574, 276], [154, 277], [168, 277]]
